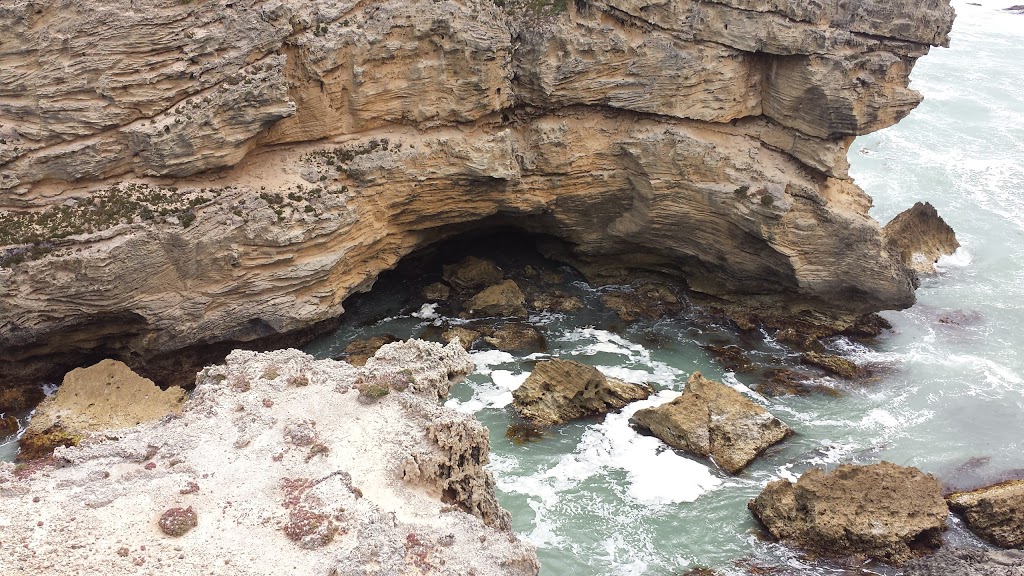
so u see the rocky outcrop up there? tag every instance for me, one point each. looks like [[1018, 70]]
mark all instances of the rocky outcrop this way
[[831, 363], [968, 562], [193, 174], [996, 513], [472, 272], [713, 420], [881, 511], [558, 391], [277, 448], [504, 299], [920, 236], [105, 396]]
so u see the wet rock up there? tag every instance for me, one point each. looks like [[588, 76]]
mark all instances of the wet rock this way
[[713, 420], [472, 272], [732, 358], [996, 513], [8, 426], [831, 363], [178, 521], [967, 562], [645, 300], [517, 337], [558, 391], [783, 382], [920, 236], [105, 396], [359, 351], [556, 301], [881, 511], [467, 337], [18, 399], [436, 292], [504, 299]]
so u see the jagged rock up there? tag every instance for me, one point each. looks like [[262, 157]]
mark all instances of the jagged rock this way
[[920, 236], [831, 363], [967, 562], [556, 301], [20, 398], [436, 292], [472, 272], [387, 485], [882, 511], [517, 337], [503, 299], [996, 513], [467, 337], [783, 382], [105, 396], [713, 420], [624, 124], [359, 351], [731, 358], [650, 301], [558, 391]]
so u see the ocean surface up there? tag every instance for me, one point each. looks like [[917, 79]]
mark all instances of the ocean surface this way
[[946, 396]]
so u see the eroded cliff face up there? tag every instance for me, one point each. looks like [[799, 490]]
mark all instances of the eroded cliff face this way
[[222, 171]]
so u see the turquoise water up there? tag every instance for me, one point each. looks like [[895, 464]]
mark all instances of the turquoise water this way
[[597, 498]]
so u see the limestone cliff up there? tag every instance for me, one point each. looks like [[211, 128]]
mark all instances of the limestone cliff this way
[[176, 175]]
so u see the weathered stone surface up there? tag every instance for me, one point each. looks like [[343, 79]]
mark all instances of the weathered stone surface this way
[[502, 299], [713, 420], [703, 140], [831, 363], [996, 513], [920, 236], [967, 562], [105, 396], [517, 337], [558, 391], [437, 292], [391, 485], [359, 351], [472, 272], [881, 511]]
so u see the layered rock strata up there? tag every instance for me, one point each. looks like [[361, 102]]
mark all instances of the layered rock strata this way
[[287, 451], [178, 175], [713, 420], [880, 511]]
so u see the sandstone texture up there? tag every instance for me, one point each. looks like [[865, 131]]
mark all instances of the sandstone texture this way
[[921, 237], [558, 391], [968, 562], [881, 511], [181, 175], [104, 397], [996, 513], [713, 420], [276, 448]]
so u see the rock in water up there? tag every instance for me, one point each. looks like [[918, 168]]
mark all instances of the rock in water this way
[[359, 351], [831, 363], [996, 513], [503, 299], [967, 562], [881, 511], [920, 236], [472, 272], [105, 396], [517, 337], [558, 391], [713, 420]]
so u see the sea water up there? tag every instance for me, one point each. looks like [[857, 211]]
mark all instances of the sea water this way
[[599, 499]]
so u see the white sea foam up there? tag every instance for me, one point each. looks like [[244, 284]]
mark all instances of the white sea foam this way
[[426, 312], [484, 360], [961, 258]]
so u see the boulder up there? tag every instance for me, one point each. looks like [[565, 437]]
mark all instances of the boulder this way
[[556, 301], [920, 236], [105, 396], [832, 363], [996, 513], [713, 420], [967, 562], [645, 300], [466, 336], [517, 337], [880, 511], [558, 391], [472, 272], [436, 292], [503, 299], [359, 351]]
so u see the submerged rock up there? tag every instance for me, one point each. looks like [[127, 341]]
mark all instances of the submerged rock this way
[[645, 300], [330, 485], [920, 236], [881, 511], [996, 513], [558, 391], [713, 420], [503, 299], [831, 363], [105, 396], [782, 382], [967, 562], [472, 272]]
